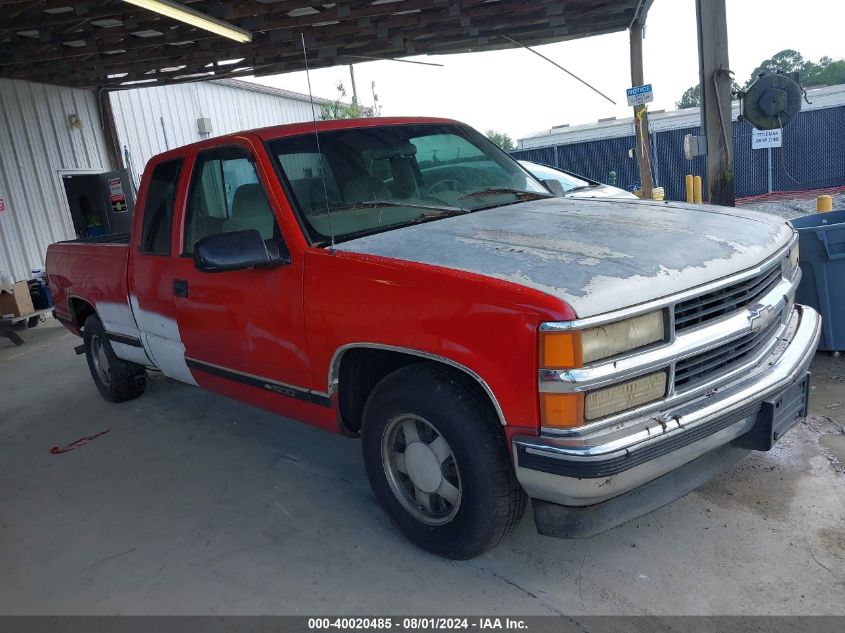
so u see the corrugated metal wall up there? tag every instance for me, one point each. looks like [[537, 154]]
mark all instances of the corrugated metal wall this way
[[139, 114], [36, 145]]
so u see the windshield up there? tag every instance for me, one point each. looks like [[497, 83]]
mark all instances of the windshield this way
[[371, 179], [543, 172]]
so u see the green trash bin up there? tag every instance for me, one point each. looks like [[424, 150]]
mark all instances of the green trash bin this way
[[821, 237]]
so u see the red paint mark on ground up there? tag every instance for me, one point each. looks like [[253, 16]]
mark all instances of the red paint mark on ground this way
[[83, 440]]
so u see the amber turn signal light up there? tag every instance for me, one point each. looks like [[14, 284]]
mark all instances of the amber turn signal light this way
[[560, 350], [562, 410]]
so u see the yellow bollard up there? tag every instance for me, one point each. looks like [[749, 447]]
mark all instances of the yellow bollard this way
[[824, 203], [697, 189], [690, 193]]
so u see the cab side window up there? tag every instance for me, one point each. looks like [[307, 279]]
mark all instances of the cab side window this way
[[158, 209], [226, 196]]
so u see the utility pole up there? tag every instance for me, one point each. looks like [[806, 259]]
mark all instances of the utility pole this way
[[641, 112], [715, 81], [354, 87]]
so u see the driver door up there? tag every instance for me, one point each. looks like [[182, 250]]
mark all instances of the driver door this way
[[242, 329]]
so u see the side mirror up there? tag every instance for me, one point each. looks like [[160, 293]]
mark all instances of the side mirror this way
[[236, 251], [555, 187]]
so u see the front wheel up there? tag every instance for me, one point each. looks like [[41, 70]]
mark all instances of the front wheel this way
[[117, 380], [436, 458]]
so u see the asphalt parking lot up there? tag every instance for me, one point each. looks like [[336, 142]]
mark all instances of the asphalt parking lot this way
[[195, 504]]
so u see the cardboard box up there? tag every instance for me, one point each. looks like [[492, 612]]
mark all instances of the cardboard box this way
[[16, 303]]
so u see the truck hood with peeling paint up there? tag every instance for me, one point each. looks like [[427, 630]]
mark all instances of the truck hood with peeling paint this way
[[596, 255]]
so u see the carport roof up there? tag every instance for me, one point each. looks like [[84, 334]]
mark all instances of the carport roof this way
[[117, 45]]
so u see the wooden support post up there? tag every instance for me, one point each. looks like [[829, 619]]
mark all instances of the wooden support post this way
[[640, 112], [716, 100]]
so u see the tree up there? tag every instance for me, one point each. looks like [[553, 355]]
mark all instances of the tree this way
[[827, 72], [692, 96], [337, 109], [501, 139], [787, 61]]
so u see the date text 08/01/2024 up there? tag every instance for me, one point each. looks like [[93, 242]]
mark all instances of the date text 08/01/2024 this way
[[416, 623]]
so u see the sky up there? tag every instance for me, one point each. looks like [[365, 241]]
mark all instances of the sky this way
[[518, 93]]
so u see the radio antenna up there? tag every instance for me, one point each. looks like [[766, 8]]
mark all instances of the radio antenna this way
[[319, 152]]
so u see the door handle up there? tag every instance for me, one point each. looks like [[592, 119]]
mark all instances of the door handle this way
[[180, 288]]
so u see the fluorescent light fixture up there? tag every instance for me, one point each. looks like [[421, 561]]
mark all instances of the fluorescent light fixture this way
[[194, 18]]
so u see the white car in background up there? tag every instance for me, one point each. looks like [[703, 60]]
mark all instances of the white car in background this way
[[575, 186]]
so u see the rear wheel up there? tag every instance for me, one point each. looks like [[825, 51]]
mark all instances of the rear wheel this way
[[116, 379], [436, 459]]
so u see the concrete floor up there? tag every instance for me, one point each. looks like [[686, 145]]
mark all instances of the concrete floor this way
[[195, 504]]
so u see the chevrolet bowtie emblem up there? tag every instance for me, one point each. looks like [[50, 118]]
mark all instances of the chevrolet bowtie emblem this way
[[759, 317]]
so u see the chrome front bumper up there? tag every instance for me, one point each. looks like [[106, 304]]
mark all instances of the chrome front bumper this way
[[572, 473]]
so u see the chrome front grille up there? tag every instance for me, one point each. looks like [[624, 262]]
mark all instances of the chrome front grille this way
[[691, 372], [713, 305]]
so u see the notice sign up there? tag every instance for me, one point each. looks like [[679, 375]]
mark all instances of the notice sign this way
[[115, 187], [762, 139], [640, 95], [2, 204], [116, 196]]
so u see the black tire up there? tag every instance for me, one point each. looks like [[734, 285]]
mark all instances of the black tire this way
[[32, 321], [117, 380], [438, 400]]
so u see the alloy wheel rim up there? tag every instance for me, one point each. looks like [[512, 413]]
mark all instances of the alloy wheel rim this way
[[101, 359], [421, 469]]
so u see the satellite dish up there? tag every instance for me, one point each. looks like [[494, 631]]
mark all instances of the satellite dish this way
[[772, 101]]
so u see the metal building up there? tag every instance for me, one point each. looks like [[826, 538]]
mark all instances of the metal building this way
[[50, 134], [659, 121], [807, 158], [152, 120]]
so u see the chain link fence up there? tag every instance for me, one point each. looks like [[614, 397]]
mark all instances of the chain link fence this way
[[812, 157]]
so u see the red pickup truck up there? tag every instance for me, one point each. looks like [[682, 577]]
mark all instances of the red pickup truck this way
[[406, 282]]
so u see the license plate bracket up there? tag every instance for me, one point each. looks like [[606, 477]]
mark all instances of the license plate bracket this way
[[777, 415]]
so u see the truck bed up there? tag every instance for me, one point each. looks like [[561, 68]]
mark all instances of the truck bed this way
[[89, 270], [111, 238]]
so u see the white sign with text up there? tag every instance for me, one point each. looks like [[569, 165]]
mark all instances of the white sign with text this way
[[762, 139], [639, 95]]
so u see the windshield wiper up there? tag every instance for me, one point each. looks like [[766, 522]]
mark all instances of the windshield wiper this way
[[521, 193], [381, 204]]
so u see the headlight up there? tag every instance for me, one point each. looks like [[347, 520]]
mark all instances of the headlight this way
[[626, 395], [569, 349], [622, 336], [565, 350], [793, 259]]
